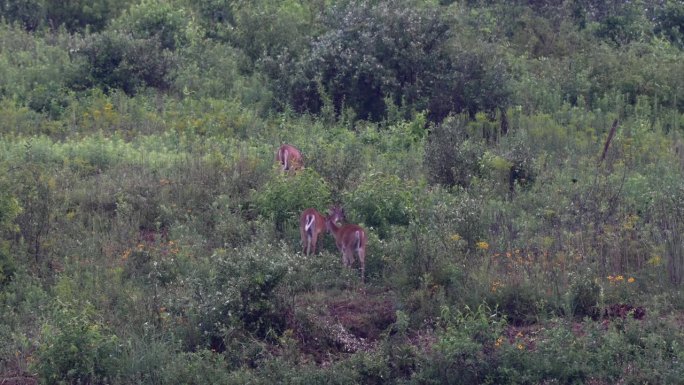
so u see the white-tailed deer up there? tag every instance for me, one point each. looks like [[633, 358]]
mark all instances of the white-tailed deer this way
[[311, 225], [349, 239], [289, 157]]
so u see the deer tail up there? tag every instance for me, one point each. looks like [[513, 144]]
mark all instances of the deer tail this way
[[310, 221]]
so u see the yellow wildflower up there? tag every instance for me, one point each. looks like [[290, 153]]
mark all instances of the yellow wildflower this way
[[482, 245], [521, 347], [498, 342], [656, 260], [456, 237], [631, 280], [619, 278]]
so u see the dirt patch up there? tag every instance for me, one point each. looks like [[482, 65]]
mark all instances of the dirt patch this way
[[331, 324]]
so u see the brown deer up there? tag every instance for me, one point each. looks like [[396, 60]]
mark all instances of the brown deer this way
[[289, 158], [311, 225], [349, 239]]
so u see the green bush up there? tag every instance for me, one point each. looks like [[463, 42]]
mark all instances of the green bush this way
[[75, 16], [584, 295], [520, 304], [9, 210], [451, 156], [114, 59], [338, 158], [77, 349], [155, 19], [460, 352], [232, 300], [372, 51], [380, 201], [30, 14], [33, 72], [283, 198]]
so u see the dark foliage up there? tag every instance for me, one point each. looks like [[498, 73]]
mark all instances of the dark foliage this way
[[114, 59]]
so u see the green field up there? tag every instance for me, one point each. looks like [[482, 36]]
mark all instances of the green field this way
[[518, 168]]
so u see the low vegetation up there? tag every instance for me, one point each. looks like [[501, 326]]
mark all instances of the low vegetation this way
[[518, 169]]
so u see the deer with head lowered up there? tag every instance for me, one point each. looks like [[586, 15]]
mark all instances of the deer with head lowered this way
[[350, 239], [311, 225], [289, 158]]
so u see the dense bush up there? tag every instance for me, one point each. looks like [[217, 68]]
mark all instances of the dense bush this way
[[146, 235], [451, 154], [158, 20], [114, 59], [283, 198], [380, 201], [74, 15], [77, 349]]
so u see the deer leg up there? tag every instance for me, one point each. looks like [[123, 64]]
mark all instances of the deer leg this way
[[362, 261], [346, 258], [305, 241], [314, 240]]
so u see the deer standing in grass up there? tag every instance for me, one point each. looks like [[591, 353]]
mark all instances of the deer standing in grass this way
[[311, 225], [349, 239], [289, 158]]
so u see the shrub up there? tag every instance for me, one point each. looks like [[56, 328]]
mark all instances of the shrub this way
[[380, 201], [265, 29], [584, 295], [78, 15], [372, 51], [115, 59], [232, 300], [340, 159], [29, 13], [459, 356], [9, 210], [284, 197], [154, 19], [197, 368], [451, 156], [75, 15], [77, 349], [669, 22], [520, 304]]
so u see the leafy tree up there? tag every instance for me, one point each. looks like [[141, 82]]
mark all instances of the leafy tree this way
[[375, 53], [155, 19], [451, 157], [76, 15], [215, 16], [266, 28], [114, 59], [376, 50], [669, 22], [29, 13]]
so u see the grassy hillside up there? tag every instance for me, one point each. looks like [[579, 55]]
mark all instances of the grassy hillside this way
[[518, 168]]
